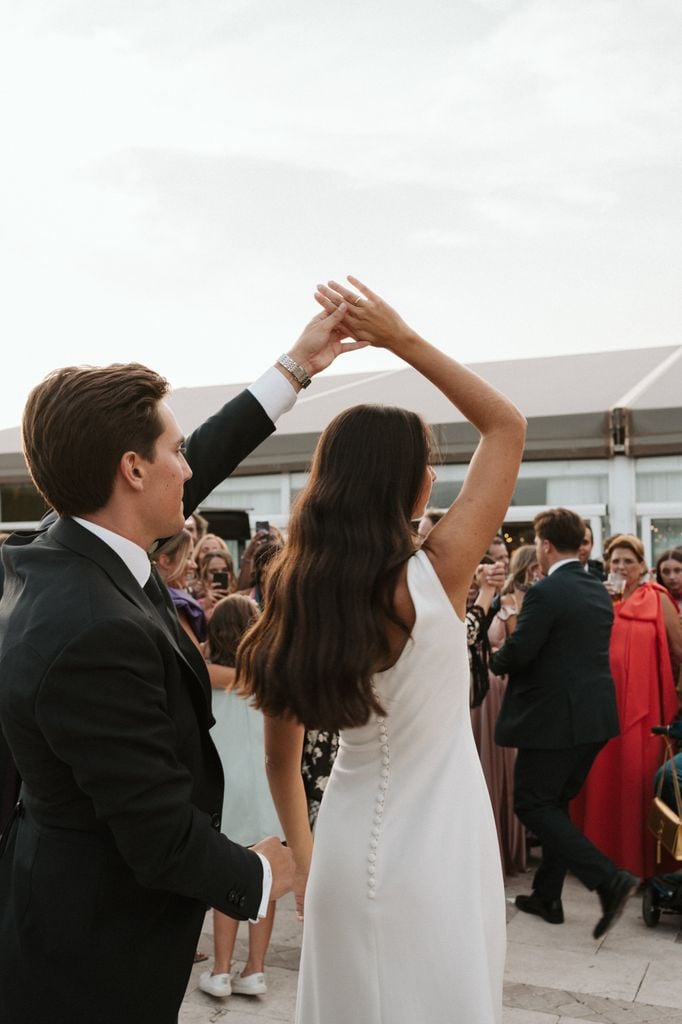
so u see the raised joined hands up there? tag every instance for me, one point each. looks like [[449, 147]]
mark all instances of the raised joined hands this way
[[322, 340], [367, 318]]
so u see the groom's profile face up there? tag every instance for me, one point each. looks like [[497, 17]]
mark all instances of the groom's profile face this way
[[165, 476]]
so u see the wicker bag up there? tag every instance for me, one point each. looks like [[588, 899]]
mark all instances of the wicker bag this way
[[663, 821]]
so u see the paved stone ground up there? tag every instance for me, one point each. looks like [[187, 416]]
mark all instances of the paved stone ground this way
[[555, 974]]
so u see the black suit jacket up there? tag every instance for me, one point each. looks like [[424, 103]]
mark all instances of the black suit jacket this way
[[560, 692], [107, 707]]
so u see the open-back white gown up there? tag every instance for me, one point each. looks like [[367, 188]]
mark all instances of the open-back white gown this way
[[404, 910]]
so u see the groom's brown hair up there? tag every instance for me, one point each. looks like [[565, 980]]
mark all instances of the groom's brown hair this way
[[78, 423]]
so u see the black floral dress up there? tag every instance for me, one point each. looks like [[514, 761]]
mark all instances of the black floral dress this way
[[319, 754]]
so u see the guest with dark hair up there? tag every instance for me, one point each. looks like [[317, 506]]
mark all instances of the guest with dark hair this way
[[498, 551], [669, 573], [484, 591], [429, 520], [589, 564], [246, 577], [559, 710], [262, 560]]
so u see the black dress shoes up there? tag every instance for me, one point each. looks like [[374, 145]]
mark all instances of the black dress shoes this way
[[549, 910], [613, 898]]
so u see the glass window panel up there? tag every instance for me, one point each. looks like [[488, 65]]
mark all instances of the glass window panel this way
[[577, 490], [665, 533], [530, 492], [659, 479], [659, 486]]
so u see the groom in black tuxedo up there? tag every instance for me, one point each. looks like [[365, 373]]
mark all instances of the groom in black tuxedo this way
[[115, 849], [559, 709]]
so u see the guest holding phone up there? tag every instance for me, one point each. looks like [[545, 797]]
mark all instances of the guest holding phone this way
[[215, 580]]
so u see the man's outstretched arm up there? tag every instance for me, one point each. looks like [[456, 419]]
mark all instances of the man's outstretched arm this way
[[215, 449]]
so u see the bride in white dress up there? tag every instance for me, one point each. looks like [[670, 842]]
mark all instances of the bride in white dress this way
[[362, 632]]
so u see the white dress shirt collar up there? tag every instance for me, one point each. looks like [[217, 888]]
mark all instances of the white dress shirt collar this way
[[557, 565], [132, 555]]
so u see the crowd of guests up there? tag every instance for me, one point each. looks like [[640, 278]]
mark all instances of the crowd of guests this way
[[215, 607], [645, 655]]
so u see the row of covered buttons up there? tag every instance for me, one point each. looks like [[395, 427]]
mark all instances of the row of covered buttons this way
[[378, 808]]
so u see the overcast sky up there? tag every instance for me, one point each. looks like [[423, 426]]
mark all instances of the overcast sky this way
[[177, 175]]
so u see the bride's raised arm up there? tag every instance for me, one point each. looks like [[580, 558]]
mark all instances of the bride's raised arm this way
[[457, 542]]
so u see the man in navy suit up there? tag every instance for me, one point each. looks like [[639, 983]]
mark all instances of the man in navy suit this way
[[559, 710], [116, 846]]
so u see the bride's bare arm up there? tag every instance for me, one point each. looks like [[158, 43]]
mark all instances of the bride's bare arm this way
[[458, 540], [283, 750]]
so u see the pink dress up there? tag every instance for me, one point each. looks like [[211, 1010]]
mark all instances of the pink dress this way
[[498, 762]]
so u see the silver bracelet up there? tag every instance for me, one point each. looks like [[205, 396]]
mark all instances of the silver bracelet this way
[[295, 370]]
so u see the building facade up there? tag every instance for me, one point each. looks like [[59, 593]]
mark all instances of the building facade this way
[[604, 438]]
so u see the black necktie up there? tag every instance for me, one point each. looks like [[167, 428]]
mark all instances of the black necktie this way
[[152, 589]]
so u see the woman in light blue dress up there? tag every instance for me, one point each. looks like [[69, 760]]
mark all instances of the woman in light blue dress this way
[[248, 811]]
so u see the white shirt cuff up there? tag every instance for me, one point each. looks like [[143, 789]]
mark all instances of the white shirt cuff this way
[[274, 392], [267, 881]]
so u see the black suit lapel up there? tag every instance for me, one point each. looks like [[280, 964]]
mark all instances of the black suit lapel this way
[[84, 543]]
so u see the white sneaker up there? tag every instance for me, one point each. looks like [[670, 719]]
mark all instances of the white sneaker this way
[[215, 984], [251, 985]]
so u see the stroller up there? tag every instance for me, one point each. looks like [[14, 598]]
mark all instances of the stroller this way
[[662, 894]]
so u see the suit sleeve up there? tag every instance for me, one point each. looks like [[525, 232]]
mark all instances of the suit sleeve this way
[[535, 622], [215, 449], [108, 719]]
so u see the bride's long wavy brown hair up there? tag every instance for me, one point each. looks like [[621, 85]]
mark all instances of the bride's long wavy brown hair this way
[[329, 595]]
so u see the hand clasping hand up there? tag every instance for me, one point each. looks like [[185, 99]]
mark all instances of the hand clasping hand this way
[[281, 862], [322, 341], [367, 318]]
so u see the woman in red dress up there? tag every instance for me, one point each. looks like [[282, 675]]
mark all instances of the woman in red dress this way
[[613, 806]]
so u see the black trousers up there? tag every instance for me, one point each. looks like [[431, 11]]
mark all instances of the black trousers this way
[[544, 783]]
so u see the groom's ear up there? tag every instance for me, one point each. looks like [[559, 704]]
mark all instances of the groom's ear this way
[[130, 471]]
